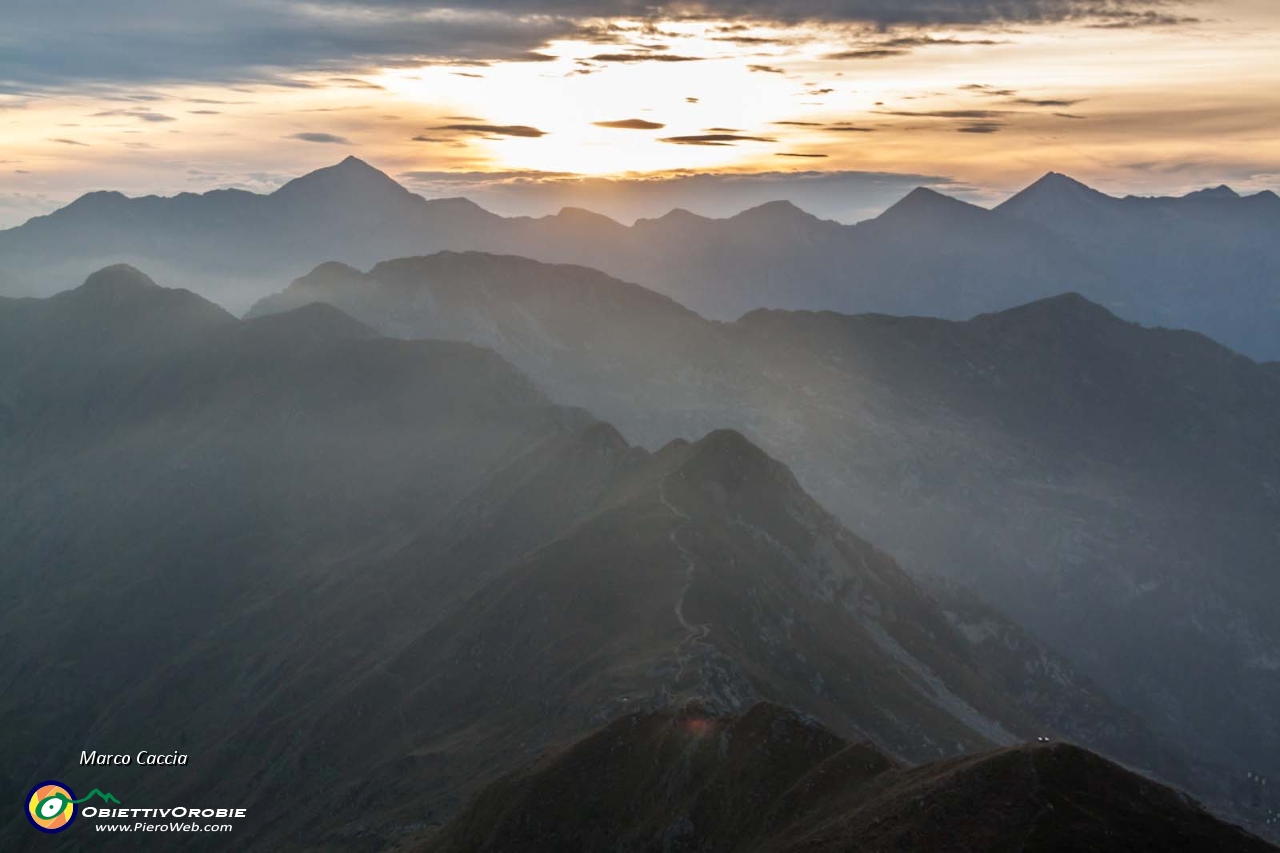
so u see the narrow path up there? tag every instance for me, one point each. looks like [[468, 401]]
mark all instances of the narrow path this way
[[694, 634]]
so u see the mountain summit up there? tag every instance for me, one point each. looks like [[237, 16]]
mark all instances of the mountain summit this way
[[351, 181], [1053, 195], [923, 205]]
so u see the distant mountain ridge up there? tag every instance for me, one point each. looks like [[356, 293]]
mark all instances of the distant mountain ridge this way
[[1208, 261]]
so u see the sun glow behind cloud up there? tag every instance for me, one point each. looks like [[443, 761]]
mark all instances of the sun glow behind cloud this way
[[990, 106]]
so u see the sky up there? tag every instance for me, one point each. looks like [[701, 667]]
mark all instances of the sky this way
[[632, 108]]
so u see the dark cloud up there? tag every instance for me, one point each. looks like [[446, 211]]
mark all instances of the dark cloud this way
[[819, 91], [530, 56], [973, 114], [630, 124], [466, 74], [174, 41], [927, 41], [883, 13], [991, 91], [354, 83], [1068, 115], [792, 154], [171, 41], [522, 130], [765, 69], [204, 112], [981, 127], [68, 141], [325, 138], [691, 100], [715, 139], [900, 45], [756, 41], [644, 57], [431, 139], [837, 127], [140, 114], [869, 53], [1046, 102], [135, 98], [1130, 19]]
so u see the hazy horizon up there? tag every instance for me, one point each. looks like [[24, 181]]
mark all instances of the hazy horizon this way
[[842, 105], [845, 197]]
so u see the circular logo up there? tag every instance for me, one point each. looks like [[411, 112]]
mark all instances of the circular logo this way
[[51, 807]]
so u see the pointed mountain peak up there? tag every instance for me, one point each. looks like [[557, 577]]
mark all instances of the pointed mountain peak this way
[[727, 461], [351, 161], [355, 167], [1220, 191], [923, 205], [1059, 182], [341, 182], [1054, 193]]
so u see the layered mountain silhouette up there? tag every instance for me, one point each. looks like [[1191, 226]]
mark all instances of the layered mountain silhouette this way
[[773, 780], [355, 578], [1113, 488], [1207, 261]]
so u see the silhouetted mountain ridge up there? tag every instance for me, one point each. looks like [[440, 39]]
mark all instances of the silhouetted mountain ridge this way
[[1207, 261]]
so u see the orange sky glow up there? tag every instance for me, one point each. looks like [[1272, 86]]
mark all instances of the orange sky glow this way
[[1166, 107]]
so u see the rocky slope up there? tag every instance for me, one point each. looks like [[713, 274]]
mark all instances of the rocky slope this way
[[773, 780], [1113, 488], [354, 578]]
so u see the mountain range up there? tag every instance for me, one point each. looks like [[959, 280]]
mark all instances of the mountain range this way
[[357, 578], [1209, 261], [1110, 487]]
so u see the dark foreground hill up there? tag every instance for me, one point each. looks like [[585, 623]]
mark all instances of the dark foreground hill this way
[[354, 578], [773, 780]]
